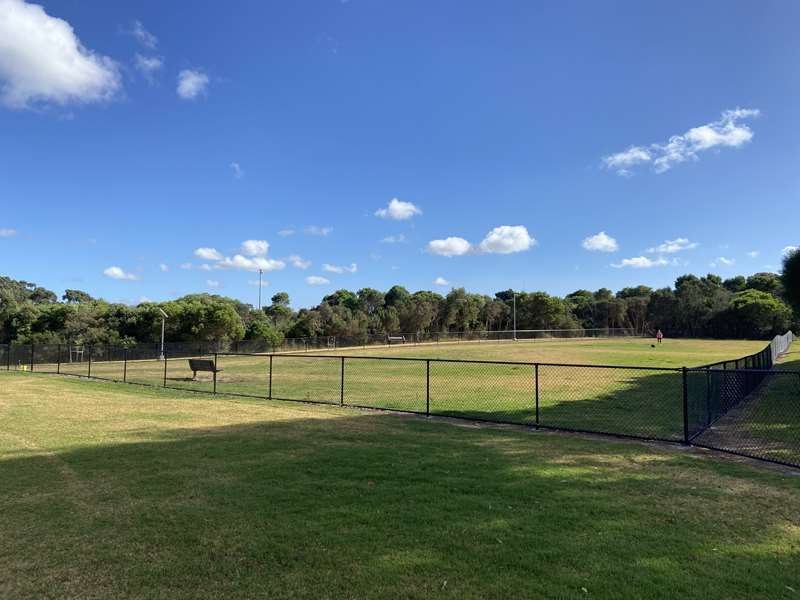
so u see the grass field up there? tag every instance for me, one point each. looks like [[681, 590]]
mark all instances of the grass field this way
[[628, 401], [131, 492]]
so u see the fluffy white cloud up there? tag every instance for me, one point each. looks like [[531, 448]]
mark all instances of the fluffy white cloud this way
[[254, 263], [398, 210], [673, 246], [394, 239], [602, 242], [317, 230], [144, 37], [213, 283], [255, 247], [316, 280], [789, 250], [208, 254], [148, 65], [726, 132], [205, 267], [6, 232], [286, 232], [337, 269], [507, 239], [299, 262], [753, 253], [238, 172], [191, 84], [118, 273], [441, 281], [163, 268], [641, 262], [43, 61], [451, 246], [185, 266], [723, 262]]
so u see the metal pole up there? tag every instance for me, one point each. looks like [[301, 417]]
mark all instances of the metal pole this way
[[536, 379], [163, 324], [685, 408], [428, 388], [341, 389], [58, 359], [514, 294], [215, 372], [260, 271], [708, 397], [8, 356], [89, 370], [124, 365], [269, 397], [32, 357], [164, 358]]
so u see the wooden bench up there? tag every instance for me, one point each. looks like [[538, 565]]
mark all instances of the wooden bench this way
[[396, 338], [202, 364]]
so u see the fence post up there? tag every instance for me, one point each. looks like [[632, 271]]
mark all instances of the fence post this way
[[32, 357], [215, 372], [536, 380], [269, 397], [685, 407], [428, 388], [124, 365], [8, 356], [341, 388], [58, 359], [708, 396], [165, 367], [89, 369]]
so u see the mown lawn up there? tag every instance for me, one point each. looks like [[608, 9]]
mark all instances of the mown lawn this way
[[131, 492]]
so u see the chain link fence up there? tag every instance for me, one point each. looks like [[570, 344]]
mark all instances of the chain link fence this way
[[743, 406]]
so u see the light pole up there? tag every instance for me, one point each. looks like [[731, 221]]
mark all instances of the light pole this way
[[164, 317], [260, 271]]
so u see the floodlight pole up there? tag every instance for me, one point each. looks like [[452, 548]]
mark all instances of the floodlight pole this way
[[164, 317], [260, 271]]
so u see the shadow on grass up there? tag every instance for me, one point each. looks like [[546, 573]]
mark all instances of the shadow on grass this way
[[377, 506]]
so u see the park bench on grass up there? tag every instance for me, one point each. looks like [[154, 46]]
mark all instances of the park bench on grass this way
[[400, 339], [202, 364]]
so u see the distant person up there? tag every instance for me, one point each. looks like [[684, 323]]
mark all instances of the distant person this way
[[659, 336]]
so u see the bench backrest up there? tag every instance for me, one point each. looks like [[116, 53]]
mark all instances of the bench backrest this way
[[201, 364]]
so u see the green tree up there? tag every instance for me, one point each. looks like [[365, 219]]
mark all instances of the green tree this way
[[790, 278]]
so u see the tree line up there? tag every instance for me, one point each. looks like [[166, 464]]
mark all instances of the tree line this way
[[755, 307]]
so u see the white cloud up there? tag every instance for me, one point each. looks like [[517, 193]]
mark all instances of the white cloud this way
[[148, 65], [205, 267], [753, 253], [144, 37], [264, 282], [789, 250], [723, 262], [398, 210], [672, 246], [163, 268], [315, 280], [185, 266], [641, 262], [602, 242], [286, 232], [726, 132], [191, 84], [6, 232], [451, 246], [507, 239], [250, 264], [299, 262], [208, 254], [394, 239], [337, 269], [118, 273], [43, 61], [238, 172], [213, 283], [255, 247], [317, 230], [441, 281]]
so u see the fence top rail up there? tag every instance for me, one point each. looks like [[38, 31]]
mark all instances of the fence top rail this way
[[453, 360], [744, 371]]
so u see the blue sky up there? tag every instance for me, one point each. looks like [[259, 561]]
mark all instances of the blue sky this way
[[140, 138]]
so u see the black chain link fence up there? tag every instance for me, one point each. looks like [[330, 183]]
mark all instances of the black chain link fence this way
[[742, 406]]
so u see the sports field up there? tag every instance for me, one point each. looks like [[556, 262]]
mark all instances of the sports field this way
[[112, 491], [629, 400]]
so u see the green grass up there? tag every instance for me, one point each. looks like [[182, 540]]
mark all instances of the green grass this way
[[131, 492], [628, 401]]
